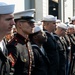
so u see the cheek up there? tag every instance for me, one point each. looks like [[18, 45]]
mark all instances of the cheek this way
[[49, 26], [63, 32], [27, 26], [54, 25], [74, 22], [3, 26]]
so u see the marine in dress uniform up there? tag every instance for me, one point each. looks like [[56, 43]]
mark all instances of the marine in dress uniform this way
[[5, 22], [40, 57], [19, 48]]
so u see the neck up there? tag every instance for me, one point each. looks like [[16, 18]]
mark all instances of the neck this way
[[38, 44], [23, 34], [49, 30], [57, 33], [1, 36]]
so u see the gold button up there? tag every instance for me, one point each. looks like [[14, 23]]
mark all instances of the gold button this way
[[15, 39], [30, 56], [25, 60], [30, 62], [25, 40], [30, 67], [29, 50], [29, 73]]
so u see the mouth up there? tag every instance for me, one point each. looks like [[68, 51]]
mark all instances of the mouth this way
[[10, 28]]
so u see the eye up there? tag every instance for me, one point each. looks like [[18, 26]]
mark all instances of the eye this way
[[9, 19], [54, 23]]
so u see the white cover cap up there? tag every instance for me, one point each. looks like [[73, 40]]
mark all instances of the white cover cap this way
[[73, 18], [71, 26], [37, 29], [58, 20], [49, 18], [29, 12], [6, 8], [62, 25]]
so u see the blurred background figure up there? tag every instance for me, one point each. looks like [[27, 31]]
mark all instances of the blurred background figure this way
[[58, 21], [10, 35], [73, 20], [39, 23], [13, 31], [7, 38], [70, 37], [71, 29]]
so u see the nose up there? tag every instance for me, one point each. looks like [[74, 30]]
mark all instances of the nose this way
[[12, 22], [32, 25]]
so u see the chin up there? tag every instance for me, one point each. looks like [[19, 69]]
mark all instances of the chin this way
[[31, 32]]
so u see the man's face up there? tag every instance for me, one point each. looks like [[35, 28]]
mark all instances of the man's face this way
[[6, 22], [74, 22], [71, 30], [27, 27], [42, 37], [51, 26], [63, 31]]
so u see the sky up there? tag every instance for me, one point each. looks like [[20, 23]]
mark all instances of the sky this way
[[19, 4]]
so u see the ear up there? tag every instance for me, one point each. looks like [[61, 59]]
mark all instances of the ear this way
[[20, 24]]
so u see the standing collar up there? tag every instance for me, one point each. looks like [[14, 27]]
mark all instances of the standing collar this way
[[20, 37]]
